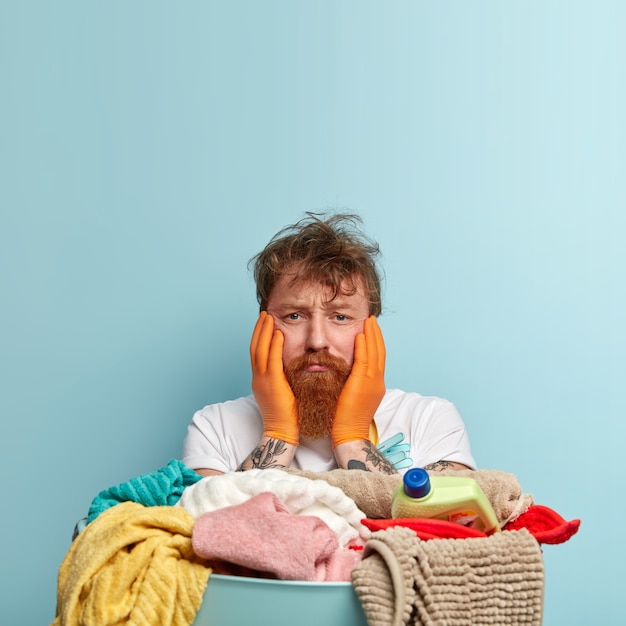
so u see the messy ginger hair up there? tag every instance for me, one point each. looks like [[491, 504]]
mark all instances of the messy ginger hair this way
[[330, 249]]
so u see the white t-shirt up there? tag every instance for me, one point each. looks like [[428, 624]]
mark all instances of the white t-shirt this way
[[221, 436]]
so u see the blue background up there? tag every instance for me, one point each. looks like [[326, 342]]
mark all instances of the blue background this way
[[149, 149]]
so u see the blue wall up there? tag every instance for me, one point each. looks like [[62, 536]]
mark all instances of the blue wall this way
[[149, 149]]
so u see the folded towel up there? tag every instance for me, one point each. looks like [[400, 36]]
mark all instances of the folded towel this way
[[301, 496], [132, 565], [261, 534], [372, 491], [161, 488], [496, 580]]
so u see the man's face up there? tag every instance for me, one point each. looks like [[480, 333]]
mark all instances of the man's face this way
[[311, 323], [318, 349]]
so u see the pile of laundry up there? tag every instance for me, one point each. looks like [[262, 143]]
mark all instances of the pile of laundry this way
[[147, 547]]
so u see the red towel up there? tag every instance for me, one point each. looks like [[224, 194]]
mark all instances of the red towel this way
[[543, 523], [261, 536]]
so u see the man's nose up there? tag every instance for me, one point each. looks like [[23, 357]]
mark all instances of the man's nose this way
[[317, 336]]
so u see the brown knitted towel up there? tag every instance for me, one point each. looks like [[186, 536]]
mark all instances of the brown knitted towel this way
[[372, 491], [497, 580]]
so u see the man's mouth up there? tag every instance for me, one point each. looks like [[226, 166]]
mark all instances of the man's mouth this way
[[316, 367]]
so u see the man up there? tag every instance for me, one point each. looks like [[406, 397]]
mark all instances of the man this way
[[318, 359]]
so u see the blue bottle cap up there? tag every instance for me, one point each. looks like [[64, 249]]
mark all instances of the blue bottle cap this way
[[417, 483]]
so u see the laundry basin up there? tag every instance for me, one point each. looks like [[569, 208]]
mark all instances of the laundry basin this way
[[239, 601]]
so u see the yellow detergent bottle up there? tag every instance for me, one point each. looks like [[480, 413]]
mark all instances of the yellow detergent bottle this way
[[454, 498]]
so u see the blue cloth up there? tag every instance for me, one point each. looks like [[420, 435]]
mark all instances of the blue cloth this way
[[161, 488]]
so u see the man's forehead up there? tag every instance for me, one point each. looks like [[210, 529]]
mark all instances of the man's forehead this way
[[301, 290], [294, 282]]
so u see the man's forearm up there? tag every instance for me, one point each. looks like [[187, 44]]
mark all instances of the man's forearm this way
[[270, 453], [363, 455], [445, 465]]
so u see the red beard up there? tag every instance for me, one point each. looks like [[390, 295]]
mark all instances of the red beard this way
[[316, 393]]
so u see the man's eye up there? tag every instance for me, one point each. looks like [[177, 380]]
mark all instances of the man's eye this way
[[341, 318], [293, 316]]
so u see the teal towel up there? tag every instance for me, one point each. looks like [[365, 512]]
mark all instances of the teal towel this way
[[161, 488]]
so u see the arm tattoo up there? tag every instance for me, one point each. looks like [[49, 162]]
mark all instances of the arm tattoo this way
[[265, 455], [439, 465], [373, 460]]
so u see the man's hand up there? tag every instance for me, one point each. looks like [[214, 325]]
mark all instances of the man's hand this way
[[364, 388], [269, 384]]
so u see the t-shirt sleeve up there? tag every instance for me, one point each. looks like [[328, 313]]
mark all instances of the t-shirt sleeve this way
[[221, 436], [440, 435], [200, 447]]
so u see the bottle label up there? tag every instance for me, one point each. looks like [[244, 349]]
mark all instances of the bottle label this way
[[465, 518]]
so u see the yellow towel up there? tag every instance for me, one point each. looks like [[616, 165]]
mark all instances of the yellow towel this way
[[132, 565]]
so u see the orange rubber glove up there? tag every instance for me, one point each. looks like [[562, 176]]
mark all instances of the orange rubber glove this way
[[269, 384], [364, 388]]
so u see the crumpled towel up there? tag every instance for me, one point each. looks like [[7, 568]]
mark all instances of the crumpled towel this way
[[161, 488], [301, 496], [545, 525], [542, 522], [372, 491], [261, 534], [132, 565], [496, 580], [427, 528]]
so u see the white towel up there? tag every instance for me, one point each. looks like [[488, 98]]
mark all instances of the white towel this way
[[302, 496]]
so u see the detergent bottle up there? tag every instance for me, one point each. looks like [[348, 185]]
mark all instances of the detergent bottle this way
[[454, 498]]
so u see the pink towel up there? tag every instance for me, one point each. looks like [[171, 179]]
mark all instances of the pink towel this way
[[263, 536]]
